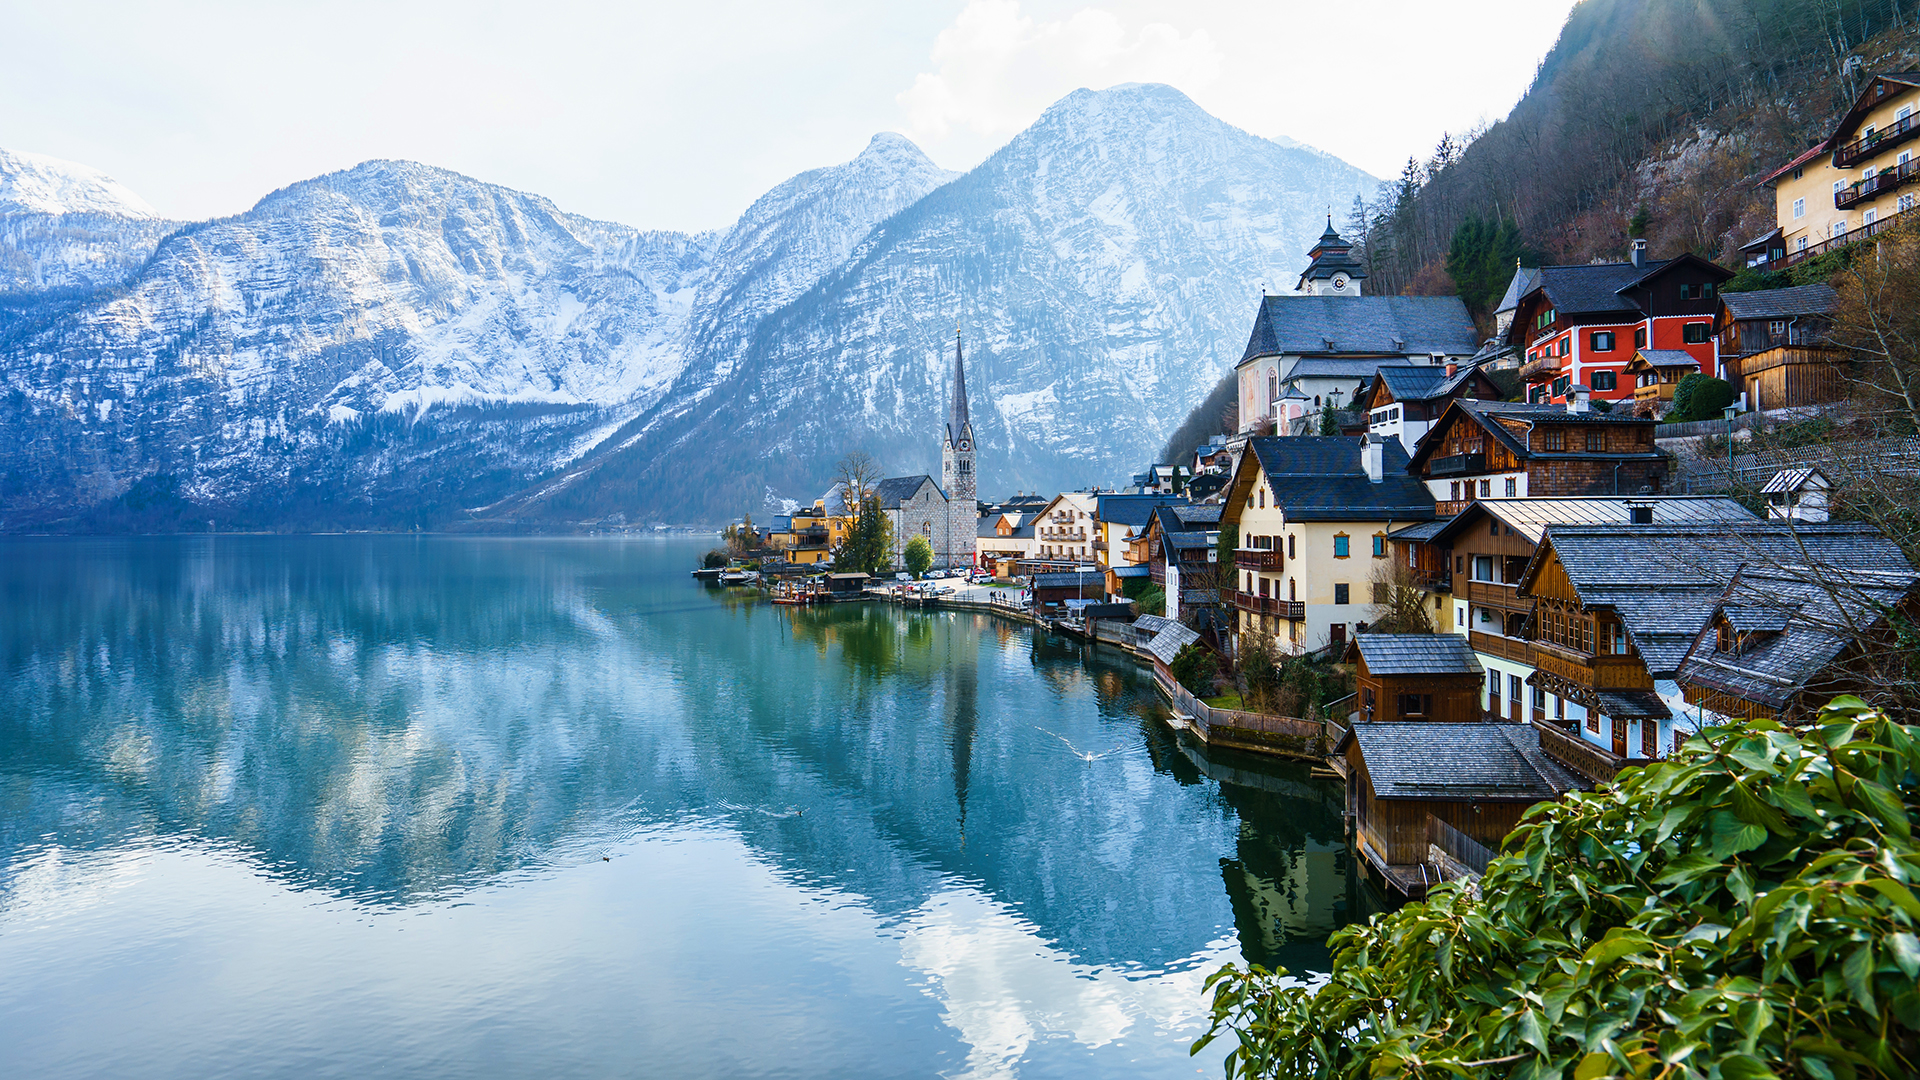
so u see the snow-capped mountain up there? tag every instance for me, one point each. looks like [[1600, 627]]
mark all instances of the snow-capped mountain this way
[[67, 229], [398, 344], [1102, 267], [37, 184]]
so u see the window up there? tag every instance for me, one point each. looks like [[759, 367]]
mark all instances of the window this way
[[1486, 488], [1379, 545], [1905, 156], [1800, 244], [1695, 333], [1596, 441], [1513, 487], [1340, 592], [1906, 202], [1837, 185], [1540, 699], [1839, 229], [1605, 380], [1380, 592], [1689, 291], [1799, 172], [1456, 491], [1553, 439], [1640, 337], [1493, 686], [1777, 328], [1340, 546], [1593, 721], [1901, 116], [1649, 738], [1566, 345], [1291, 553], [1560, 385], [1870, 217], [1868, 173], [1459, 616], [1513, 687], [1799, 208], [1601, 341], [1483, 568], [1416, 704]]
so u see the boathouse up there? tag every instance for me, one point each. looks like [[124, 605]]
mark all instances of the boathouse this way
[[1416, 677], [1478, 778]]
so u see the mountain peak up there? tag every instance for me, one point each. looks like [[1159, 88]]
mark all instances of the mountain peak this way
[[37, 184]]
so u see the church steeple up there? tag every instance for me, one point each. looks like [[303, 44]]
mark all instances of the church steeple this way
[[956, 470], [1333, 270], [958, 427]]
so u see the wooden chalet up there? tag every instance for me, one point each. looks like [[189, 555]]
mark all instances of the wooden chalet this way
[[1402, 401], [1492, 450], [1617, 608], [1477, 778], [1774, 347], [1656, 374], [1783, 641], [1052, 591], [1415, 677]]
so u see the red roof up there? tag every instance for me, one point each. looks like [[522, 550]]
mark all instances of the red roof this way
[[1818, 148]]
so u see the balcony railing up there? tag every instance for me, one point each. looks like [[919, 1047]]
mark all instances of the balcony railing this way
[[1257, 559], [1660, 391], [1872, 188], [1879, 142], [1270, 605], [1533, 370], [1852, 236], [1433, 580], [1457, 465], [1496, 645]]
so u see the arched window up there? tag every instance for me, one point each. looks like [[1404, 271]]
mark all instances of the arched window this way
[[1292, 551], [1293, 589]]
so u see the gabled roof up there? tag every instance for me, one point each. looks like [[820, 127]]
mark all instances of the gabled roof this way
[[1299, 324], [1334, 367], [1787, 480], [1531, 517], [1818, 298], [1168, 640], [1525, 278], [1870, 97], [1456, 762], [1592, 289], [1417, 654], [1805, 619], [1199, 517], [1488, 414], [1071, 579], [1664, 581], [897, 489], [1424, 382], [1807, 155], [1320, 478], [1132, 509], [1657, 359]]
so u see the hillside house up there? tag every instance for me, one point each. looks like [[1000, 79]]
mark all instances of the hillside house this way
[[1004, 540], [1312, 515], [1119, 519], [1582, 325], [1774, 347], [1512, 450], [1404, 401], [1849, 185]]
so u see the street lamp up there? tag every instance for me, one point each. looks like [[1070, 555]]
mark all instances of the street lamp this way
[[1729, 412]]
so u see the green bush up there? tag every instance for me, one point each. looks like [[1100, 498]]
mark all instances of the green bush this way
[[1700, 397], [919, 555], [1193, 667], [714, 560], [1743, 910], [1151, 598]]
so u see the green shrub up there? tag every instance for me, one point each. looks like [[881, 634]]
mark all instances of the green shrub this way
[[1700, 397], [919, 555], [1745, 909], [1193, 667]]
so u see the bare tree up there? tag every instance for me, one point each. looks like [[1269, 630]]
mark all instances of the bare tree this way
[[1399, 607], [857, 475]]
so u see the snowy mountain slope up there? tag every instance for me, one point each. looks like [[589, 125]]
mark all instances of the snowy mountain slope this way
[[242, 352], [1103, 264], [36, 184]]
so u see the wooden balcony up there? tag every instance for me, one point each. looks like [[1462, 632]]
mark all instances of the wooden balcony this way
[[1852, 236], [1258, 559], [1589, 760], [1544, 368], [1859, 150], [1660, 391], [1594, 672], [1886, 180], [1270, 605], [1504, 647], [1432, 580], [1457, 465]]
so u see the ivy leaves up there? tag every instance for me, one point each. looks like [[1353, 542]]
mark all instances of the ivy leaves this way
[[1745, 910]]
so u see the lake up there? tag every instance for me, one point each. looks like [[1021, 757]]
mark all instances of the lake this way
[[450, 807]]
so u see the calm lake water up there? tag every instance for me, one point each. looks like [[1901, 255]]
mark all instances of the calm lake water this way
[[436, 807]]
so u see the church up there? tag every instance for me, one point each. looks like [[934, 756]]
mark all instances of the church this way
[[1316, 346], [957, 475]]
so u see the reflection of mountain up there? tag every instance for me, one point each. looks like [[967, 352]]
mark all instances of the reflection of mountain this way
[[391, 718]]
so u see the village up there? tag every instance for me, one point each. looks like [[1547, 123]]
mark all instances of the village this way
[[1466, 574]]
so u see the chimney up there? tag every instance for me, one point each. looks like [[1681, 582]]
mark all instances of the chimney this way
[[1578, 397], [1372, 457], [1453, 369], [1638, 252]]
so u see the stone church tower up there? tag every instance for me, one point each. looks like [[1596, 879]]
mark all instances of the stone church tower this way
[[957, 475], [1334, 271]]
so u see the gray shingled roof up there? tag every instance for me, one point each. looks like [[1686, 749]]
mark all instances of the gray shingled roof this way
[[1426, 530], [1132, 509], [1301, 324], [1439, 761], [1816, 299], [897, 489], [1668, 358], [1523, 280], [1789, 480], [1530, 517], [1664, 581], [1071, 579], [1594, 288], [1319, 478], [1167, 643], [1186, 540], [1805, 621], [1198, 517], [1408, 382], [1417, 654], [1335, 367], [1487, 415]]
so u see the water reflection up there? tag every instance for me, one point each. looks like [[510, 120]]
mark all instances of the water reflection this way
[[398, 723]]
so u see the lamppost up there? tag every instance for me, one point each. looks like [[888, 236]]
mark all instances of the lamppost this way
[[1729, 413]]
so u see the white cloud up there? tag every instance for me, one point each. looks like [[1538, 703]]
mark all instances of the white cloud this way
[[996, 67]]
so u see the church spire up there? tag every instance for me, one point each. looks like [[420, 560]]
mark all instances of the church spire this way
[[957, 423]]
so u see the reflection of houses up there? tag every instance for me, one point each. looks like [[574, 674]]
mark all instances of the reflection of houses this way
[[1773, 345], [1506, 450], [1409, 677], [1580, 325], [1312, 516], [1784, 640], [1476, 778], [1316, 346], [1616, 608], [1474, 562], [1052, 592]]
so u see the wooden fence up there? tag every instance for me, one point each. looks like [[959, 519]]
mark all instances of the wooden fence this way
[[1260, 732], [1457, 846]]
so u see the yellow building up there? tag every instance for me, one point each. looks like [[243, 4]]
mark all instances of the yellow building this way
[[1849, 184], [1312, 515]]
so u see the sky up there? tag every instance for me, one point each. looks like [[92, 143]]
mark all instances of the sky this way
[[678, 115]]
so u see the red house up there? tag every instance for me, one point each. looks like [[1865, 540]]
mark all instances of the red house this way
[[1582, 325]]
